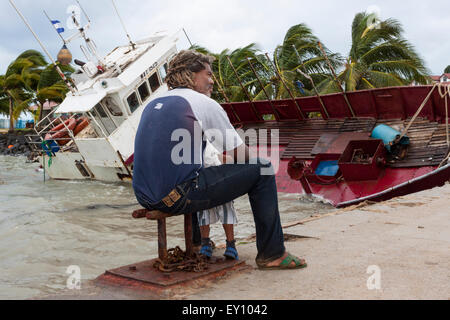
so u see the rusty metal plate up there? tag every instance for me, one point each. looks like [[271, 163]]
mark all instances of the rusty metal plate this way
[[144, 272]]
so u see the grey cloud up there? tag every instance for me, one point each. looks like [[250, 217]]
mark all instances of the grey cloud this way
[[218, 25]]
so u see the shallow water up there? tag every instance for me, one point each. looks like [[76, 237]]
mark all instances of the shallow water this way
[[45, 227]]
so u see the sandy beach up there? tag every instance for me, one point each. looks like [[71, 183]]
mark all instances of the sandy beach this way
[[398, 249]]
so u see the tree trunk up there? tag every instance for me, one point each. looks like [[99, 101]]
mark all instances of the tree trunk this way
[[11, 119], [40, 109]]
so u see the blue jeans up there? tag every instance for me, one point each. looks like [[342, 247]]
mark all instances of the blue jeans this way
[[218, 185]]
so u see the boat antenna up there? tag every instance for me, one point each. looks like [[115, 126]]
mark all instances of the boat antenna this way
[[61, 74], [133, 45], [90, 44], [84, 12], [187, 37]]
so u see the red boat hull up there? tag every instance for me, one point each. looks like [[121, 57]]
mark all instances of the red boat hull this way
[[300, 138], [393, 183]]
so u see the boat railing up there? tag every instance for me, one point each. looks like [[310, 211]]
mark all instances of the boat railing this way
[[36, 140]]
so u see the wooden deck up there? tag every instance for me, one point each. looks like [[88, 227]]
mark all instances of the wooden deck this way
[[428, 145]]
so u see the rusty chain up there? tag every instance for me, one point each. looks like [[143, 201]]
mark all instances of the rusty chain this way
[[177, 260]]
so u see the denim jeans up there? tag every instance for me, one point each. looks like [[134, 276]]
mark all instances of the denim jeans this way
[[218, 185]]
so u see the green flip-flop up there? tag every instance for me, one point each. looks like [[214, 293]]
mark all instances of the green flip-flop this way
[[285, 264]]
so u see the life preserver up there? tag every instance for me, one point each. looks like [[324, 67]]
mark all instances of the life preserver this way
[[60, 131], [81, 124]]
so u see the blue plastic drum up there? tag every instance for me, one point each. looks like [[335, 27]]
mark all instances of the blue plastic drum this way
[[388, 135]]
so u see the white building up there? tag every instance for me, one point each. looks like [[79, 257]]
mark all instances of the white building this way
[[442, 78]]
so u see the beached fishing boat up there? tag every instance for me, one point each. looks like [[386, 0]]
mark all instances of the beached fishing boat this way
[[90, 135], [344, 148], [365, 145]]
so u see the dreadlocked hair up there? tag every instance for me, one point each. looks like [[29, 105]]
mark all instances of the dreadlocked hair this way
[[183, 66]]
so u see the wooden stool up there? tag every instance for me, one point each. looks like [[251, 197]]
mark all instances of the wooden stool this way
[[162, 235]]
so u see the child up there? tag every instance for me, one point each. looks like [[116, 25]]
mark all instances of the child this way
[[225, 213]]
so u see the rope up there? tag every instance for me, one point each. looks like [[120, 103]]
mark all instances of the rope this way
[[417, 113], [445, 95], [46, 144]]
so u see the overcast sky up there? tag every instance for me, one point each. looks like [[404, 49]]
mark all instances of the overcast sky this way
[[219, 24]]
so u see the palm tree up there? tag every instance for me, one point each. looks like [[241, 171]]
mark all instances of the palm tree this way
[[309, 60], [30, 79], [17, 84], [379, 57], [49, 87], [4, 101], [226, 76], [286, 63]]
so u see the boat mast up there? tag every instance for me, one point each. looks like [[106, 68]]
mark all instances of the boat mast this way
[[82, 33], [133, 45], [61, 74], [59, 34]]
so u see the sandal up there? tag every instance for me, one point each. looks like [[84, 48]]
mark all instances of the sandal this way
[[285, 264], [231, 253], [206, 249]]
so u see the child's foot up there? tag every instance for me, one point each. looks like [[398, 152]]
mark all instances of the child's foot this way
[[231, 252], [206, 249]]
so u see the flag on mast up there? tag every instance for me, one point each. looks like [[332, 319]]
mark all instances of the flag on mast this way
[[56, 24]]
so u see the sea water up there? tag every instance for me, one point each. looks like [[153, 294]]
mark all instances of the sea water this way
[[50, 228]]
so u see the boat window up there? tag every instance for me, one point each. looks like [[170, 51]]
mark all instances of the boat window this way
[[99, 109], [143, 91], [105, 120], [154, 82], [112, 106], [163, 72], [133, 102]]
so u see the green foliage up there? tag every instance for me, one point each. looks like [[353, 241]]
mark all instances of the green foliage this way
[[263, 81], [309, 60], [379, 57], [4, 99], [447, 70], [29, 79], [226, 76]]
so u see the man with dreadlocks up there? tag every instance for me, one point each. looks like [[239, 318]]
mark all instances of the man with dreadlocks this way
[[169, 174]]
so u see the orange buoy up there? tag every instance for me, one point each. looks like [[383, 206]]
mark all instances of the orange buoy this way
[[81, 124], [64, 56], [60, 131]]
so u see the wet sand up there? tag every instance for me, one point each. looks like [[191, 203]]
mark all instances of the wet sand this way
[[398, 249]]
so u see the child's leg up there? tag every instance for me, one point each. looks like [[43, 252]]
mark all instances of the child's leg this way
[[205, 218], [228, 218], [204, 230], [229, 231]]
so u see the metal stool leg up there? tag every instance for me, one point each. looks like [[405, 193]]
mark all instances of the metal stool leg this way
[[188, 234], [162, 239]]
